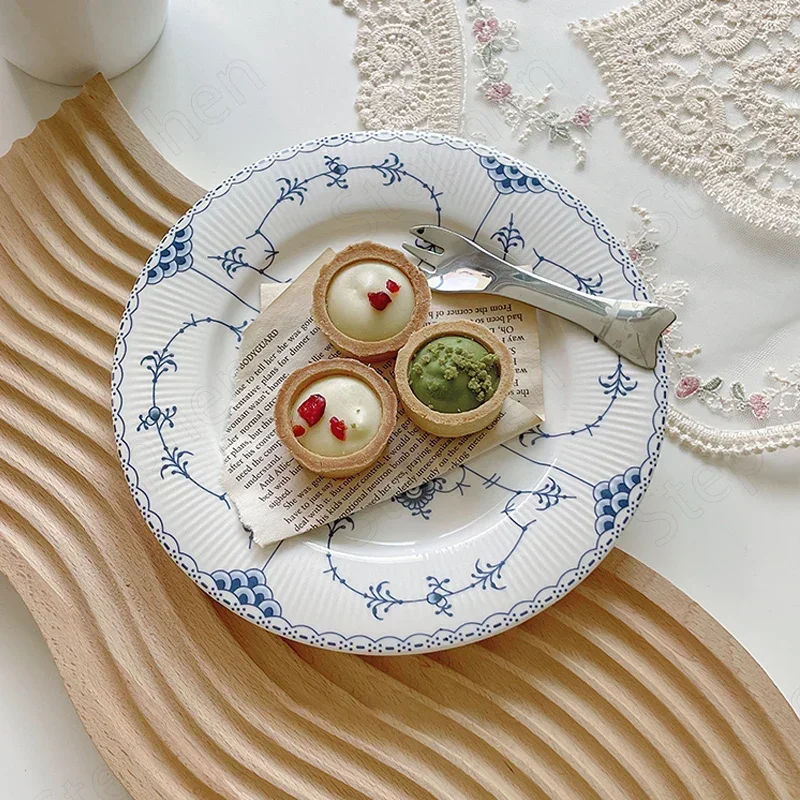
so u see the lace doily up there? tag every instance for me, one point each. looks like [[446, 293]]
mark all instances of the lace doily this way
[[710, 88], [410, 57]]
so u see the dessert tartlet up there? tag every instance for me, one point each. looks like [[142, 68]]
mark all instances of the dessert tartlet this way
[[369, 299], [453, 377], [335, 416]]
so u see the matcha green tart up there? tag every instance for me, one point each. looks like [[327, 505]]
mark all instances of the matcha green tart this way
[[453, 377]]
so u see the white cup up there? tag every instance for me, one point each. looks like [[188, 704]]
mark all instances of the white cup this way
[[68, 41]]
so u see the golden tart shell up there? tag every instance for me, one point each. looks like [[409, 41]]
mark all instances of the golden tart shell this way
[[335, 466], [466, 422], [383, 349]]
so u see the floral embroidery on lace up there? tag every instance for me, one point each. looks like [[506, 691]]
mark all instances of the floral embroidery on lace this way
[[782, 396], [778, 398], [709, 88], [522, 113], [410, 58]]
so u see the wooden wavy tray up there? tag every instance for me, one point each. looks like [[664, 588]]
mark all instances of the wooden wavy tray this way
[[625, 689]]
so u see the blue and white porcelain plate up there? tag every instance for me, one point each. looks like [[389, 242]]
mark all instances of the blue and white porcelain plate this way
[[462, 557]]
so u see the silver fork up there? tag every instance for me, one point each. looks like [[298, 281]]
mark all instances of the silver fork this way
[[629, 327]]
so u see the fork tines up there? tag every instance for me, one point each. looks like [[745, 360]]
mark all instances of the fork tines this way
[[428, 257]]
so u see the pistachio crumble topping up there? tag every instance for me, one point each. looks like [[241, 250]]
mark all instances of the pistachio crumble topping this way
[[453, 374]]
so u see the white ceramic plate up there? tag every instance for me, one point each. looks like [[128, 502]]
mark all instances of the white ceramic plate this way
[[462, 557]]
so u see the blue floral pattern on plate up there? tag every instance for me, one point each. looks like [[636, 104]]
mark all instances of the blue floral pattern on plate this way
[[459, 558]]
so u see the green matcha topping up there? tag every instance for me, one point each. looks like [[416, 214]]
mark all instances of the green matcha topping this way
[[453, 374]]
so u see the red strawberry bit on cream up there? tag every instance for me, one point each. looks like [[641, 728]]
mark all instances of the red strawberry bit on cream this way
[[312, 409], [379, 300], [392, 286], [338, 428], [298, 430]]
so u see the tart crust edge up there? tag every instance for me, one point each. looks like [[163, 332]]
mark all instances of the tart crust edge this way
[[335, 466], [383, 349], [466, 422]]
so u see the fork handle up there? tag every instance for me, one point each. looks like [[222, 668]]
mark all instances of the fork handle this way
[[629, 327]]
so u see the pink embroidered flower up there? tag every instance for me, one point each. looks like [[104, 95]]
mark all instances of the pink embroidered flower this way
[[582, 117], [687, 386], [759, 405], [485, 30], [634, 254], [497, 91]]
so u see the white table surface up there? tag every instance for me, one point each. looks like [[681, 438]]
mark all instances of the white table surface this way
[[726, 533]]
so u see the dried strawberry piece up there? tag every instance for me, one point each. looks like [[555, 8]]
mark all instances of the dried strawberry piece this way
[[338, 428], [312, 409], [392, 286], [298, 430], [379, 300]]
